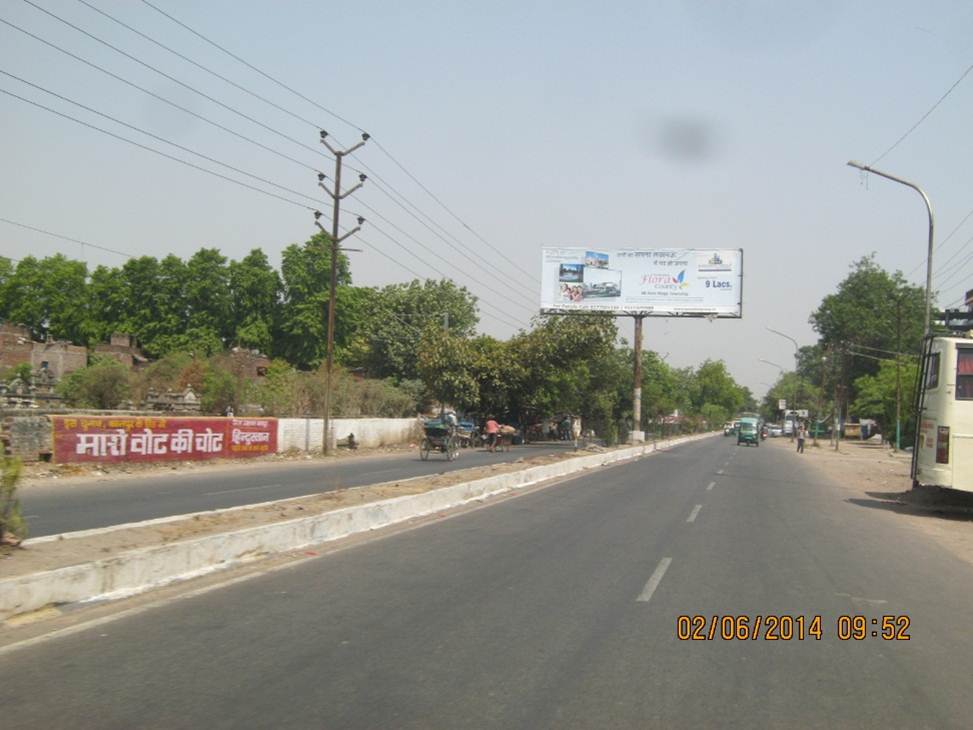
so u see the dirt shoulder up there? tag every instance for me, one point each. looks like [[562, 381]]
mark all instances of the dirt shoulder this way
[[41, 473], [57, 553], [874, 476]]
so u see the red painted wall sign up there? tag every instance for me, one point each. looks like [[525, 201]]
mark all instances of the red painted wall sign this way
[[137, 438]]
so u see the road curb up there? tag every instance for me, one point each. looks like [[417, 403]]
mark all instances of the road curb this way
[[140, 570]]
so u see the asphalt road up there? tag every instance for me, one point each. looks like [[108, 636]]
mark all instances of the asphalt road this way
[[57, 507], [557, 609]]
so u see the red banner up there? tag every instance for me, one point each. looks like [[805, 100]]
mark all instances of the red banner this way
[[151, 438]]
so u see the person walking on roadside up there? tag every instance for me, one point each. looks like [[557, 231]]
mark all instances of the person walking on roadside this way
[[492, 429], [801, 435]]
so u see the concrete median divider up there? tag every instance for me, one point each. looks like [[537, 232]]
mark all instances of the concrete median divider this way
[[146, 568]]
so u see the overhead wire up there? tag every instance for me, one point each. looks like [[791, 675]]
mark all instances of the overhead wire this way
[[925, 116], [158, 152], [65, 238], [181, 108], [503, 317], [942, 243], [173, 79], [157, 137], [159, 97], [155, 151], [349, 123]]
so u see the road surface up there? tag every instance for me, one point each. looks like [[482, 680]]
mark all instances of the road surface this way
[[556, 609], [56, 507]]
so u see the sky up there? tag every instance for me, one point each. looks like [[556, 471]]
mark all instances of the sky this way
[[678, 124]]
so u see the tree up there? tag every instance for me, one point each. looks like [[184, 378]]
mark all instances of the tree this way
[[254, 293], [446, 365], [396, 316], [871, 310], [714, 386], [102, 384], [306, 279], [48, 296], [208, 297], [876, 396]]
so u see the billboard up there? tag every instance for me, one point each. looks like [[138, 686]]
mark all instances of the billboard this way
[[159, 438], [662, 282]]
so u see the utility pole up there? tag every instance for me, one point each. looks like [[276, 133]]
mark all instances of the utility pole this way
[[336, 239], [637, 435]]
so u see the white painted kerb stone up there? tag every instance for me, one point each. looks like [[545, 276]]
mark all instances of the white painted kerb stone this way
[[146, 568]]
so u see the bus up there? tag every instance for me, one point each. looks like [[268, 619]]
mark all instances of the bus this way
[[942, 455]]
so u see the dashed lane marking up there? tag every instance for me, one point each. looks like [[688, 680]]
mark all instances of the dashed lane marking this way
[[646, 595], [694, 513]]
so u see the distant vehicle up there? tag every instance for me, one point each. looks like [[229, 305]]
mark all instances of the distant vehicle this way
[[729, 428], [749, 432], [773, 430], [943, 453]]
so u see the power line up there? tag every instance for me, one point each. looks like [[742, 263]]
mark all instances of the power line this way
[[198, 65], [926, 115], [157, 137], [194, 114], [210, 172], [164, 100], [433, 253], [64, 238], [267, 76], [342, 119], [173, 79], [942, 243], [155, 151]]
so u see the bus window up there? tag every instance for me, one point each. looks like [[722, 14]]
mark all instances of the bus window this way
[[964, 373], [932, 375]]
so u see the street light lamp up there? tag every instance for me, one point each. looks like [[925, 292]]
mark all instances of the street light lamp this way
[[925, 198]]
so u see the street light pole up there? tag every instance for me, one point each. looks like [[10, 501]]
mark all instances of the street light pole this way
[[797, 375], [925, 198]]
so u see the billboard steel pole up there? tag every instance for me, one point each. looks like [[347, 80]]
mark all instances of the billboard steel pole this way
[[637, 435]]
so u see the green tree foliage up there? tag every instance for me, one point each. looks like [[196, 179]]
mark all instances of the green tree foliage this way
[[395, 317], [714, 387], [104, 383], [48, 297], [255, 289], [800, 394], [306, 279], [876, 396], [870, 308], [446, 365], [13, 526]]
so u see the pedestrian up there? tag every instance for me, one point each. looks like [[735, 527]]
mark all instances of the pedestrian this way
[[492, 429], [801, 435]]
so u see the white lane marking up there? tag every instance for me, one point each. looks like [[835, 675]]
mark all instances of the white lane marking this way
[[719, 471], [692, 515], [709, 487], [244, 489], [646, 595]]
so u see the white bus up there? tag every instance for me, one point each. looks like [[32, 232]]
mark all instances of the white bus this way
[[943, 452]]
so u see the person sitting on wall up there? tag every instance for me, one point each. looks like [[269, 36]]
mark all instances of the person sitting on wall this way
[[352, 444]]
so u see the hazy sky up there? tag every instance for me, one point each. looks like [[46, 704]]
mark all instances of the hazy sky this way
[[612, 124]]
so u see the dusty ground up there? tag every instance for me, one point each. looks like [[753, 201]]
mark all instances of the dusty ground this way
[[71, 551], [873, 476]]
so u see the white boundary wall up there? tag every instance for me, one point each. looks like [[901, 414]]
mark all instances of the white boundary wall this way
[[306, 434]]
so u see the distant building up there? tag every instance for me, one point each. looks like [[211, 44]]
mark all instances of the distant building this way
[[124, 348], [57, 357]]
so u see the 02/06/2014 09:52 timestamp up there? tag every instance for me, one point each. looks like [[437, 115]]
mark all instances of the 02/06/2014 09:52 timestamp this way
[[785, 627]]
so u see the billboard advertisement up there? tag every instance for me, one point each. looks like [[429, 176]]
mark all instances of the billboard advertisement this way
[[662, 282], [139, 438]]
